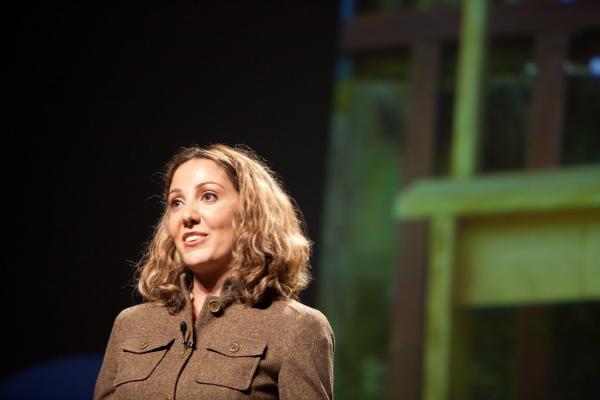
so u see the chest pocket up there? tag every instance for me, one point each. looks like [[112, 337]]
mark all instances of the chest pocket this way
[[231, 362], [140, 356]]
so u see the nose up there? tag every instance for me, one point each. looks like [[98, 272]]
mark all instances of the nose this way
[[190, 217]]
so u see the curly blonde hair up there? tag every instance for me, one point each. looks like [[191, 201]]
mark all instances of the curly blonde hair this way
[[270, 254]]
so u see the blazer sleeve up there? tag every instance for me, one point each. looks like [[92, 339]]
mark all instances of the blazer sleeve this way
[[106, 377], [307, 366]]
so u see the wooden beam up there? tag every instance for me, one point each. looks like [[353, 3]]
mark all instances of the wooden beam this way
[[529, 258], [401, 29], [373, 32], [556, 189]]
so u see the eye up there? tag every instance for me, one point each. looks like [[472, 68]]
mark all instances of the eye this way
[[175, 203], [209, 196]]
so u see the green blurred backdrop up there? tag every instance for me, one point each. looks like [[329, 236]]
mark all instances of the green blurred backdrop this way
[[460, 256]]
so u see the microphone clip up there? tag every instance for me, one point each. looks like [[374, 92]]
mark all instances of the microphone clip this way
[[183, 329]]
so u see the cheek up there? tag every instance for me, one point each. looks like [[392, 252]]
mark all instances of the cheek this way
[[172, 226], [218, 219]]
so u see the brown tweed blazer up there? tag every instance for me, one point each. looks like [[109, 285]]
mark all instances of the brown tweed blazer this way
[[283, 351]]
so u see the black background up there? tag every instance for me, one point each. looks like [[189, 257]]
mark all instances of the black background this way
[[101, 95]]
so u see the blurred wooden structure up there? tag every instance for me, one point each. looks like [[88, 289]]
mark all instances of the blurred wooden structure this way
[[467, 231]]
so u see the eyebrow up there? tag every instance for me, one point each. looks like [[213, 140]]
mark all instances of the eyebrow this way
[[197, 186]]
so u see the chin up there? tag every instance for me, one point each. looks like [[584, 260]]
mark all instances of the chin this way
[[196, 262], [206, 266]]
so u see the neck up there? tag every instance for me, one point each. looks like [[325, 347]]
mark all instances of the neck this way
[[209, 284], [206, 285]]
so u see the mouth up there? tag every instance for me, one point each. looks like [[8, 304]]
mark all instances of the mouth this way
[[191, 239]]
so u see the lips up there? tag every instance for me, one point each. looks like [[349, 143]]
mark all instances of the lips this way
[[193, 238]]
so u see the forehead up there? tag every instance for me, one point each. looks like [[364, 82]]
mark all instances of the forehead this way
[[199, 170]]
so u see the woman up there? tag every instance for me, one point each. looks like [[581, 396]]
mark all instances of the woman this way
[[220, 279]]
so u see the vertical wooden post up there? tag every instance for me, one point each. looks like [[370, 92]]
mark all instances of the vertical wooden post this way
[[533, 351], [417, 162], [534, 342], [439, 310], [465, 129], [440, 330], [547, 108], [422, 110]]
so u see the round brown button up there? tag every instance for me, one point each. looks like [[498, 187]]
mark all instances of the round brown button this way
[[166, 396], [214, 306], [143, 345], [234, 347]]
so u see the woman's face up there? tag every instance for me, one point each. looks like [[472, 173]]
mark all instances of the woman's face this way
[[202, 206]]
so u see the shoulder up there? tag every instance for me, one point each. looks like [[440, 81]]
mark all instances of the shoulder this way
[[299, 318], [306, 338], [148, 317], [283, 315], [138, 312], [302, 312]]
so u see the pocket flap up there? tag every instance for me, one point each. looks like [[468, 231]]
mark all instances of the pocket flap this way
[[231, 362], [146, 344], [238, 347], [140, 357]]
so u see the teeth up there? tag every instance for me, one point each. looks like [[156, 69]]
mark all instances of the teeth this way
[[191, 238]]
